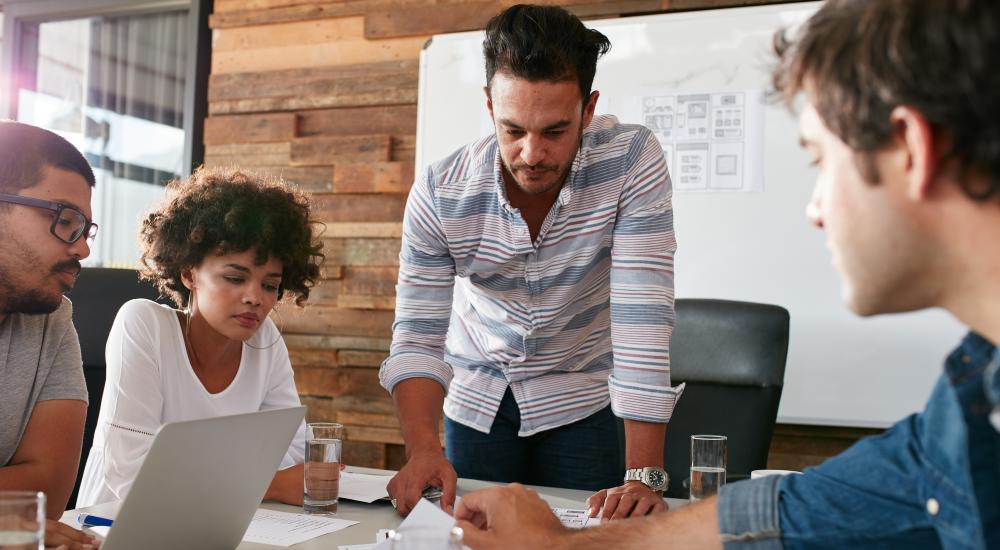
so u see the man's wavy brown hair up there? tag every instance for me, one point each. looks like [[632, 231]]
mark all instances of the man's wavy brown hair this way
[[226, 210]]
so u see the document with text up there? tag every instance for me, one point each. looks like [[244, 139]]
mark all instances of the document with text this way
[[286, 529]]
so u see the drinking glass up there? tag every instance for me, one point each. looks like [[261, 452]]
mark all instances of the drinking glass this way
[[22, 520], [324, 443], [708, 465], [425, 538]]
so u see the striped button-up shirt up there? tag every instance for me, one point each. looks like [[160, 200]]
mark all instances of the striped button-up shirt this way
[[579, 317]]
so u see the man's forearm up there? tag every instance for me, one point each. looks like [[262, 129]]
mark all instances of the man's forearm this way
[[694, 526], [644, 444], [418, 406], [29, 476], [48, 455]]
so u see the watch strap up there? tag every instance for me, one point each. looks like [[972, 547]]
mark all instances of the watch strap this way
[[648, 476]]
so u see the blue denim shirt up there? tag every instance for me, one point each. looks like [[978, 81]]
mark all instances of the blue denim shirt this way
[[930, 481]]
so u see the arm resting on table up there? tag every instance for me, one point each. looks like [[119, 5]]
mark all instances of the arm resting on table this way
[[49, 453]]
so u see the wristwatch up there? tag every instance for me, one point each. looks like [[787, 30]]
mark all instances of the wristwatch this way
[[650, 476]]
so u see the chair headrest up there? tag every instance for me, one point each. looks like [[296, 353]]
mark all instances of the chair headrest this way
[[729, 342], [98, 295]]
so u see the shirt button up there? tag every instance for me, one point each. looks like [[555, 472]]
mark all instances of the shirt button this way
[[966, 359], [933, 507]]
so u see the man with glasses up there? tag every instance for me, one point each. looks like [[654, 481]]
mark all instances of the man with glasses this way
[[45, 230]]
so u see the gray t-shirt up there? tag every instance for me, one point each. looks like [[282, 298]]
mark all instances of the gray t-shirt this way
[[39, 361]]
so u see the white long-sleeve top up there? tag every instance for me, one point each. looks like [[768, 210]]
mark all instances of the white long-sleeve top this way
[[150, 382]]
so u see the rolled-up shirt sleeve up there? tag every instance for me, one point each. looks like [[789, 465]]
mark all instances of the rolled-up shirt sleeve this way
[[423, 295], [642, 288], [748, 514]]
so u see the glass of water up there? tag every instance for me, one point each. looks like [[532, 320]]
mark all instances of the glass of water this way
[[22, 520], [708, 465], [419, 537], [324, 443]]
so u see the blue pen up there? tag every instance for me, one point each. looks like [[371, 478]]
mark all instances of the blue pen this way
[[90, 520]]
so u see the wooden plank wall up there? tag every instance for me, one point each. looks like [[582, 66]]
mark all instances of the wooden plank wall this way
[[323, 93]]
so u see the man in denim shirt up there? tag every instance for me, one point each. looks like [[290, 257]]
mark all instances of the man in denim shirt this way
[[903, 121]]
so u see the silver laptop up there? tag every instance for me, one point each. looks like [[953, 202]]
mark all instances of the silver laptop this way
[[202, 481]]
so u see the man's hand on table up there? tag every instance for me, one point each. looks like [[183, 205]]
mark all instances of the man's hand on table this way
[[60, 535], [509, 517], [422, 469], [633, 499]]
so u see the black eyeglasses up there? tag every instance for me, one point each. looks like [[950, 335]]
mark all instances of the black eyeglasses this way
[[68, 224]]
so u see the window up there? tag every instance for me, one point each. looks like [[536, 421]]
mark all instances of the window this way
[[115, 78], [114, 87]]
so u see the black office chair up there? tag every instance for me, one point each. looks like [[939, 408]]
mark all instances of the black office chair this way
[[732, 357], [97, 296]]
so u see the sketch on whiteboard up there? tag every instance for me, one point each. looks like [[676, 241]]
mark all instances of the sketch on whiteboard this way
[[712, 141]]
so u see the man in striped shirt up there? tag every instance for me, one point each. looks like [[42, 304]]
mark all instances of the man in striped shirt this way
[[535, 295]]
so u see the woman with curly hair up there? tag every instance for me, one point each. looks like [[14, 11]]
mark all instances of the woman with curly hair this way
[[225, 246]]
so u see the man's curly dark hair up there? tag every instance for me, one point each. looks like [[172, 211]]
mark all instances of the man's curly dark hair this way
[[226, 210]]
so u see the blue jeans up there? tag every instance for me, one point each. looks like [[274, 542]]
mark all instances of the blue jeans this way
[[587, 454], [930, 481]]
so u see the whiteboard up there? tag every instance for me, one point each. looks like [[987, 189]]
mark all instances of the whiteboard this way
[[754, 245]]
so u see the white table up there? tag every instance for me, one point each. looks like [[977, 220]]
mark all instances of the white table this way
[[371, 517]]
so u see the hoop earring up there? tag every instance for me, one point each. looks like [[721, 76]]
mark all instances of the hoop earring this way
[[187, 313], [279, 328]]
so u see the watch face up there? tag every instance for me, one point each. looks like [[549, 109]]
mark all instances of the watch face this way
[[656, 478]]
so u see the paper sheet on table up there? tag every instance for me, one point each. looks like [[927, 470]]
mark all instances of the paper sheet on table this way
[[575, 519], [363, 487], [381, 535], [428, 515], [286, 529], [425, 515]]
